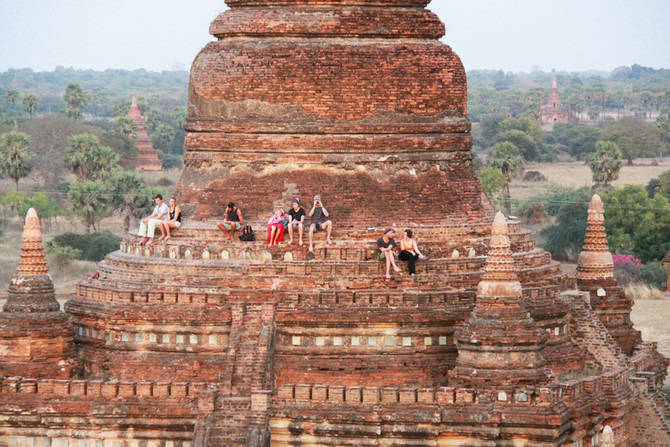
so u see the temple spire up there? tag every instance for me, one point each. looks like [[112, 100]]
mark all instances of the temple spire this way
[[31, 288], [595, 260], [32, 261], [554, 83], [500, 344]]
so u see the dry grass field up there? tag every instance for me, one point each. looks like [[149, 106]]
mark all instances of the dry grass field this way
[[576, 174], [651, 317]]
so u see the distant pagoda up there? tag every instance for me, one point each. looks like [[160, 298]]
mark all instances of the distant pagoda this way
[[552, 110], [147, 159]]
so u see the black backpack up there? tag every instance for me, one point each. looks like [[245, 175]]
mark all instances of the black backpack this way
[[247, 234]]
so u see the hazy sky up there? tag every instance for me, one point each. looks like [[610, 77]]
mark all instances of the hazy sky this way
[[508, 34]]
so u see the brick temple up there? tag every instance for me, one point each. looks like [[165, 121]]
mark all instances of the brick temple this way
[[201, 343], [552, 111], [147, 157]]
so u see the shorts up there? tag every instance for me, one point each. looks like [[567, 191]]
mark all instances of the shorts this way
[[318, 226], [232, 225], [177, 224]]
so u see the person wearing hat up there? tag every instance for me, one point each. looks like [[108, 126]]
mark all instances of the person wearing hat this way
[[297, 219], [319, 221], [232, 222]]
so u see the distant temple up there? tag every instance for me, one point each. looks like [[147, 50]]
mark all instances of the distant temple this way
[[147, 159], [552, 112]]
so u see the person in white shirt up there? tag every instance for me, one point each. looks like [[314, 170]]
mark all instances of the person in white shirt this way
[[148, 224]]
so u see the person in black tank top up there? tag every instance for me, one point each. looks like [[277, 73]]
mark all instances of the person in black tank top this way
[[232, 222], [174, 213]]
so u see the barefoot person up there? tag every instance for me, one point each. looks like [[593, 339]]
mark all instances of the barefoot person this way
[[276, 228], [386, 246], [232, 222], [174, 215], [297, 220], [148, 224], [409, 251], [319, 221]]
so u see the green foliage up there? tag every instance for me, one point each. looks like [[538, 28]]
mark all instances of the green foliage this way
[[162, 136], [532, 212], [125, 126], [61, 256], [170, 161], [30, 104], [15, 156], [606, 163], [128, 194], [494, 183], [12, 96], [564, 239], [527, 146], [88, 159], [122, 145], [663, 125], [89, 200], [580, 140], [76, 99], [638, 224], [506, 157], [525, 124], [19, 203], [634, 137], [654, 274], [92, 246]]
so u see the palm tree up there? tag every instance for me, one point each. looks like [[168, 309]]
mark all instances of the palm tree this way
[[30, 104], [507, 158], [15, 156]]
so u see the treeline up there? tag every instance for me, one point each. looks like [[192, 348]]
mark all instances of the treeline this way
[[165, 90], [638, 90]]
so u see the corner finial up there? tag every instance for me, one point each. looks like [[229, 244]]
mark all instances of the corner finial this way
[[31, 289], [595, 260], [500, 272], [32, 261]]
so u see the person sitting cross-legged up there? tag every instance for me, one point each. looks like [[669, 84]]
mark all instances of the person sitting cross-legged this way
[[174, 214], [386, 245], [319, 221], [297, 215], [148, 224]]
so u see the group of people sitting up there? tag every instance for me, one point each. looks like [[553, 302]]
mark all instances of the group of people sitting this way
[[168, 216], [279, 223], [165, 217]]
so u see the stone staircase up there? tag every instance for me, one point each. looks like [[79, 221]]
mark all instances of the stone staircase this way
[[588, 331], [238, 418]]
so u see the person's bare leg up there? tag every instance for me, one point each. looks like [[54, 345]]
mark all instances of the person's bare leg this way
[[388, 264], [301, 228], [222, 227], [311, 237], [167, 228], [329, 228], [277, 234], [162, 227], [395, 266], [273, 229], [290, 233]]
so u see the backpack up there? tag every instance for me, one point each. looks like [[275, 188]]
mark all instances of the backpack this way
[[247, 234]]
